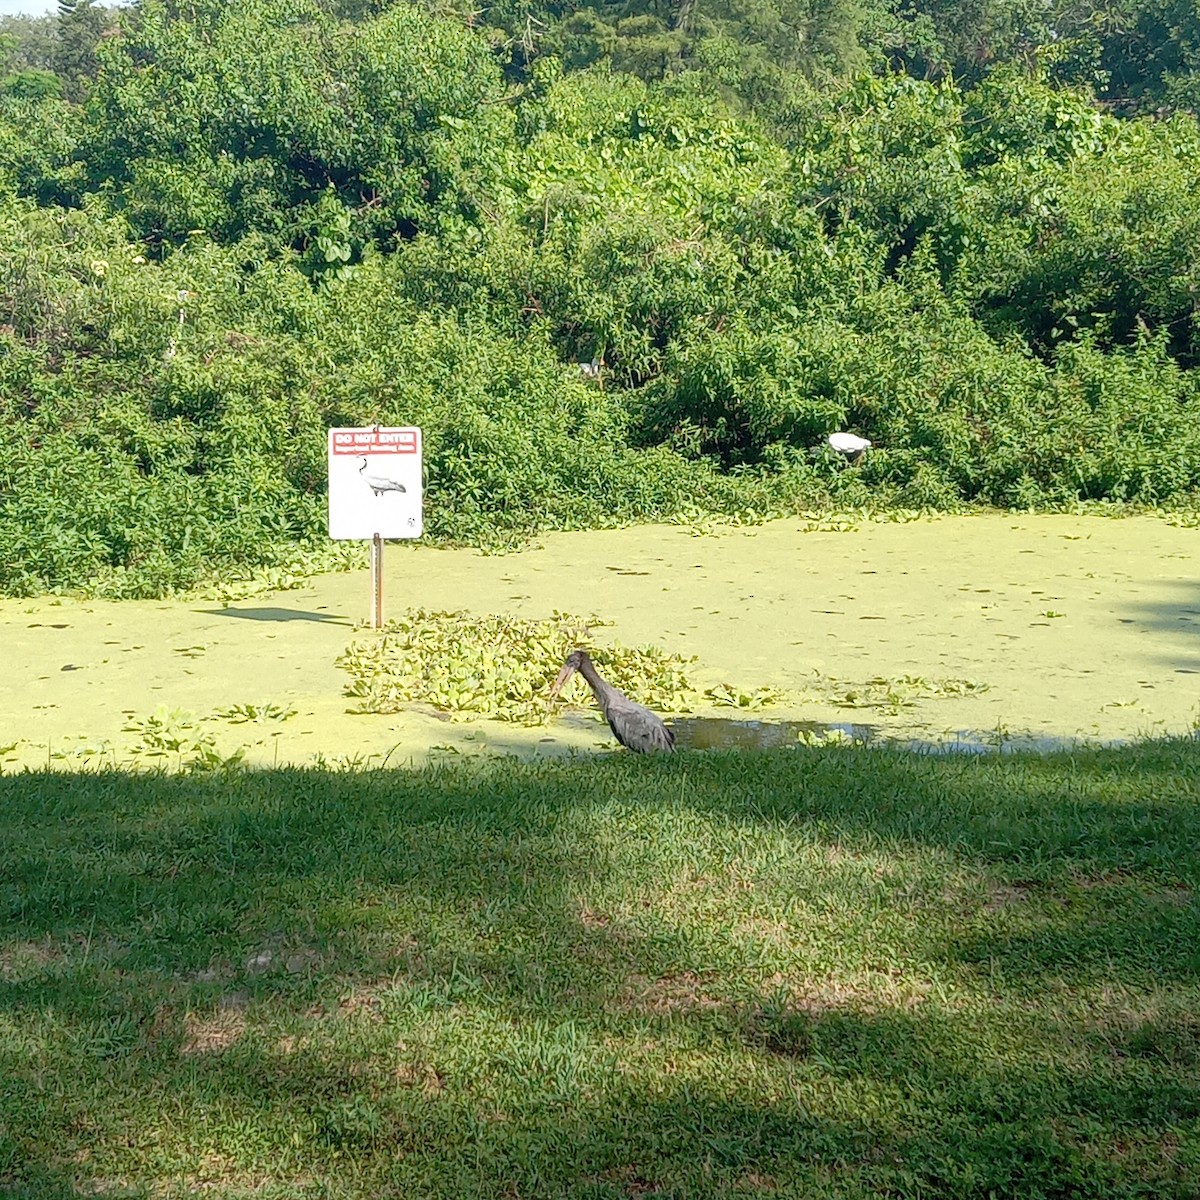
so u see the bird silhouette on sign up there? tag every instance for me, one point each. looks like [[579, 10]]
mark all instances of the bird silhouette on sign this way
[[633, 726], [380, 483]]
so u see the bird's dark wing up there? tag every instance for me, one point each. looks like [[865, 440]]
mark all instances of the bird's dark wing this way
[[638, 728], [661, 738]]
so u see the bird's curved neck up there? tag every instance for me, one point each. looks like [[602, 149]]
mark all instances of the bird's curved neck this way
[[588, 670]]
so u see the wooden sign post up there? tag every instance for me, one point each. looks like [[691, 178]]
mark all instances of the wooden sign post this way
[[375, 492], [377, 582]]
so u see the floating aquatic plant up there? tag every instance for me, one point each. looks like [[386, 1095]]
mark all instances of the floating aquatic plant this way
[[727, 695], [893, 695], [240, 714], [499, 666], [174, 731]]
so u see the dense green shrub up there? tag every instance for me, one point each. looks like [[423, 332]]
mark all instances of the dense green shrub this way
[[270, 218], [1107, 240], [246, 115], [165, 421]]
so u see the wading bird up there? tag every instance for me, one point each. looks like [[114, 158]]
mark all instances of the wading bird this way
[[634, 726], [380, 483], [849, 444]]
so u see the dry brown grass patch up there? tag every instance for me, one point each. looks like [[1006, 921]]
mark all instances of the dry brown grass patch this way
[[1174, 894], [630, 1180], [871, 993], [592, 919], [100, 1185], [365, 1003], [682, 991], [767, 929], [213, 1032], [752, 1181], [18, 959], [164, 1025], [1006, 895], [422, 1076]]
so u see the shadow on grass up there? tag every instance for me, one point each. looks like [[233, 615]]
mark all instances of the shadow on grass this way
[[837, 972]]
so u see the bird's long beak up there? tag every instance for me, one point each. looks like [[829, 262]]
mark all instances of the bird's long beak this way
[[560, 682]]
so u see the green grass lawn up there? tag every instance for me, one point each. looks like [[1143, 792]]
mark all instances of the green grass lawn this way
[[839, 972]]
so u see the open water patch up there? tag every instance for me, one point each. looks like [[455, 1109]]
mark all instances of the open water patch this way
[[729, 733]]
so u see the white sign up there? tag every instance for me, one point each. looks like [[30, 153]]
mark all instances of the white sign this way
[[374, 483]]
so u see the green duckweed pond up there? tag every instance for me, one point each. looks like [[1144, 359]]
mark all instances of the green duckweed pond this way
[[963, 631]]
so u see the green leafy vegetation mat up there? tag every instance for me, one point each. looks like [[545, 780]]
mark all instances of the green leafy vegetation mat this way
[[497, 666], [503, 667], [832, 972]]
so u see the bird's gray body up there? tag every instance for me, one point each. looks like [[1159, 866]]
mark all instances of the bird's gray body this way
[[633, 726]]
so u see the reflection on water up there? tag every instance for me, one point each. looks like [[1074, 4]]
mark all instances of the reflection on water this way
[[726, 733], [731, 733]]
